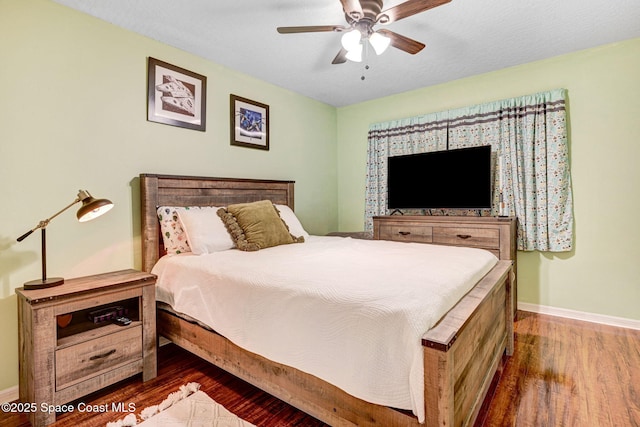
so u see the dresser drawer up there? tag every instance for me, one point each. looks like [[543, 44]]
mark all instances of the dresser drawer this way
[[90, 358], [406, 233], [487, 238]]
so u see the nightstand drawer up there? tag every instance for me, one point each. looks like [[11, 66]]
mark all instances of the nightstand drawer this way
[[488, 238], [406, 233], [88, 359]]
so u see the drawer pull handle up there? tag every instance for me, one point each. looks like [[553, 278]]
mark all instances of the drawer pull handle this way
[[464, 236], [404, 233], [102, 356]]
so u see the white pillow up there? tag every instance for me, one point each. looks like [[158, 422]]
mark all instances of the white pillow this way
[[205, 230], [292, 221]]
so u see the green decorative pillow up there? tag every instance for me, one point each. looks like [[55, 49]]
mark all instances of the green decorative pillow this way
[[256, 225]]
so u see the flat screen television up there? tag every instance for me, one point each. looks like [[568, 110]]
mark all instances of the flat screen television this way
[[451, 179]]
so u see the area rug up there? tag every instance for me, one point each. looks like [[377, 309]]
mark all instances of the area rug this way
[[188, 406]]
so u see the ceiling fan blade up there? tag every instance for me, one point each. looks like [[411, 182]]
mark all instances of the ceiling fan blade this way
[[352, 8], [310, 29], [408, 8], [403, 43], [341, 57]]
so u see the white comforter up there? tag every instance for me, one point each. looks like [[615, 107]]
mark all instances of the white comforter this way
[[351, 312]]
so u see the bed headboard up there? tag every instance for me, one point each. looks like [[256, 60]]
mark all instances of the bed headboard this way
[[174, 190]]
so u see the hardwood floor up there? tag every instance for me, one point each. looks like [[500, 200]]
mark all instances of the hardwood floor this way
[[568, 373], [563, 373]]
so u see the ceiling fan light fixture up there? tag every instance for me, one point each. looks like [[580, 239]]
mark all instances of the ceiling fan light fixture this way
[[361, 17], [379, 42], [350, 40], [355, 54]]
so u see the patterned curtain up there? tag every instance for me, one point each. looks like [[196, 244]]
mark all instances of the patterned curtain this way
[[528, 136]]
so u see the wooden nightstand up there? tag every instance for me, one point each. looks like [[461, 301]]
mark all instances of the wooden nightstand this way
[[61, 364]]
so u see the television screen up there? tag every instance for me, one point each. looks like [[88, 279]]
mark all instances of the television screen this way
[[452, 179]]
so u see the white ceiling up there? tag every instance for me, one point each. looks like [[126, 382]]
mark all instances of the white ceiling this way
[[463, 38]]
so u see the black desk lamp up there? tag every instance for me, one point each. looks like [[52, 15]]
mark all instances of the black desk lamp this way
[[91, 208]]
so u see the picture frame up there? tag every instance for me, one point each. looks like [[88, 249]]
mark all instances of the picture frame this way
[[249, 123], [176, 96]]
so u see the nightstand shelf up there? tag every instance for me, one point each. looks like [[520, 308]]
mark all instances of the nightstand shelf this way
[[63, 362], [81, 328], [93, 333]]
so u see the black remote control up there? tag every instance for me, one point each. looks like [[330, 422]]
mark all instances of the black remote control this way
[[122, 321]]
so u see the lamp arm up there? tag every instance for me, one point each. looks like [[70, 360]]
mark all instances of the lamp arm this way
[[45, 222]]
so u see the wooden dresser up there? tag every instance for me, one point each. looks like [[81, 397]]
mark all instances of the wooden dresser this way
[[65, 354], [496, 234]]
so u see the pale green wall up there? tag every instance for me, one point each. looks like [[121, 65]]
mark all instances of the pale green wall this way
[[73, 115], [602, 274]]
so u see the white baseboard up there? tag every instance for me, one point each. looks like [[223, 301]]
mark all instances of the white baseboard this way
[[9, 395], [620, 322]]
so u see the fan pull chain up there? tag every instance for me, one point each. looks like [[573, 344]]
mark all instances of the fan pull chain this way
[[366, 61], [366, 67]]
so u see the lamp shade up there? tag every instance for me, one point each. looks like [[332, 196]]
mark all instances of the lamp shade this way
[[355, 54], [92, 208], [379, 42], [351, 40]]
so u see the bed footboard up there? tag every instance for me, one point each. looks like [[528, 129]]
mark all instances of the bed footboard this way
[[463, 351]]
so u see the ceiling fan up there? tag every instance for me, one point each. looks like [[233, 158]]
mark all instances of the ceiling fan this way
[[362, 16]]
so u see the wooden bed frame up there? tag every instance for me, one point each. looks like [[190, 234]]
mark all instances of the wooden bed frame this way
[[461, 353]]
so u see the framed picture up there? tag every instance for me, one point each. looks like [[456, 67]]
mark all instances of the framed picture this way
[[249, 123], [176, 96]]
